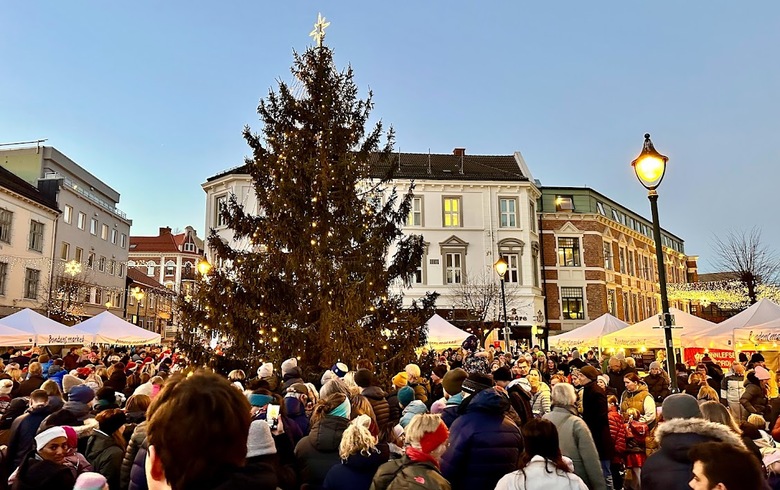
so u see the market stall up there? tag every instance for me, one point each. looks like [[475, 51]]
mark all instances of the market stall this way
[[45, 331], [443, 335], [588, 335], [108, 328], [648, 334]]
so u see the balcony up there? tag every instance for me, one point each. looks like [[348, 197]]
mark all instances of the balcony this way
[[95, 199]]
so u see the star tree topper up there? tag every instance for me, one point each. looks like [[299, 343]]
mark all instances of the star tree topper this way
[[319, 29]]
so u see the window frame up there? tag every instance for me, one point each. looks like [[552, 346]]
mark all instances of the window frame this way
[[513, 273], [6, 225], [78, 254], [457, 213], [219, 222], [67, 214], [561, 249], [415, 211], [93, 226], [114, 234], [574, 295], [81, 221], [102, 263], [32, 278], [512, 220], [453, 271], [35, 239], [104, 232], [3, 277], [609, 263], [564, 204], [64, 251], [122, 240]]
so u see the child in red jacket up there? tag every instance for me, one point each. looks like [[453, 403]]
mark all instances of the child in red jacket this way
[[636, 451], [617, 429]]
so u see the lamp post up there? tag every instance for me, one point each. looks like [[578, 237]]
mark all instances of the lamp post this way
[[138, 294], [650, 167], [501, 267], [203, 267]]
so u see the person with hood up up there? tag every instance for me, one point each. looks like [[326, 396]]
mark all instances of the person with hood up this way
[[317, 453], [418, 469], [291, 373], [377, 398], [360, 458], [485, 443], [44, 466], [670, 468], [542, 466], [574, 437], [754, 399]]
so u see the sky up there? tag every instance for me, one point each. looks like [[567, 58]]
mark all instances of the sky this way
[[151, 97]]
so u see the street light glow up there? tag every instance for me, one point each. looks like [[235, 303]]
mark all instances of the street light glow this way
[[650, 165], [501, 267]]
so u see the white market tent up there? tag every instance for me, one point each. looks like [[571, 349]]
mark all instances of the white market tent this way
[[45, 331], [443, 334], [588, 335], [108, 328], [13, 337], [721, 336], [649, 334]]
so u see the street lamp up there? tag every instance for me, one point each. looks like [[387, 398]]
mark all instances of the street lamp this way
[[138, 294], [72, 268], [203, 267], [501, 267], [650, 167]]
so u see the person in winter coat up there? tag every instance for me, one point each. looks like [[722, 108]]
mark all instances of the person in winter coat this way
[[44, 466], [360, 458], [117, 379], [106, 447], [317, 453], [291, 374], [453, 387], [542, 466], [617, 432], [518, 391], [33, 381], [716, 412], [418, 469], [636, 396], [540, 393], [410, 407], [417, 383], [365, 380], [732, 388], [670, 468], [266, 373], [657, 382], [574, 437], [23, 430], [754, 399], [295, 401], [485, 443], [264, 461], [595, 414]]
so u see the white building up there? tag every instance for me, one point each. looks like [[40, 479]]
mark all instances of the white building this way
[[469, 209]]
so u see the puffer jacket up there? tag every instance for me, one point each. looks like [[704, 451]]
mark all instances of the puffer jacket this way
[[319, 451], [670, 468], [451, 409], [356, 472], [405, 474], [35, 473], [376, 397], [133, 444], [484, 443], [658, 386], [753, 399], [617, 431], [106, 457], [416, 407], [540, 401], [394, 413], [576, 443]]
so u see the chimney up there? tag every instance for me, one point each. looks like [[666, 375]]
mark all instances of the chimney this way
[[459, 152], [165, 230]]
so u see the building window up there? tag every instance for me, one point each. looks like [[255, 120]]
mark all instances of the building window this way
[[626, 312], [114, 233], [452, 212], [221, 204], [6, 218], [91, 260], [532, 216], [64, 250], [31, 277], [454, 268], [150, 268], [622, 260], [104, 231], [102, 264], [535, 263], [564, 203], [79, 256], [98, 296], [189, 247], [512, 269], [569, 252], [121, 270], [67, 214], [36, 236], [112, 267], [508, 212], [608, 263], [417, 276], [170, 268], [631, 268], [3, 274], [415, 213], [600, 207], [81, 220], [122, 240], [611, 302], [571, 304], [93, 225]]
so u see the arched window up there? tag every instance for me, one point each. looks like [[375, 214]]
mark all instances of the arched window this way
[[170, 268], [150, 268]]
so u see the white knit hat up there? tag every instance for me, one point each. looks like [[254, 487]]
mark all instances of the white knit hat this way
[[260, 441], [288, 365], [265, 370], [6, 385], [48, 435]]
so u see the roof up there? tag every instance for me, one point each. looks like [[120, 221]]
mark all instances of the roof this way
[[441, 166], [16, 184], [718, 277], [163, 243], [138, 277]]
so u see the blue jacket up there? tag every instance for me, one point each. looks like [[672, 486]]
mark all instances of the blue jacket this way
[[484, 444], [297, 413], [357, 472], [450, 412]]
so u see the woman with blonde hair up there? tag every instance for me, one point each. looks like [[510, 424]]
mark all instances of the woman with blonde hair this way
[[717, 413], [707, 394], [360, 458], [426, 438]]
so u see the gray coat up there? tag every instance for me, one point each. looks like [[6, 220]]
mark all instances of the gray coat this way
[[577, 444]]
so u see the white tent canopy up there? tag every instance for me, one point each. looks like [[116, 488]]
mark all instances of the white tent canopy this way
[[588, 335], [648, 333], [721, 336], [45, 331], [13, 337], [108, 328], [443, 334]]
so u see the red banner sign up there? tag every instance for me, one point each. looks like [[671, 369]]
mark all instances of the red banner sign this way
[[723, 358]]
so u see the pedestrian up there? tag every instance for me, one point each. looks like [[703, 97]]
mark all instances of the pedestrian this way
[[360, 458], [721, 466], [754, 399], [317, 452], [106, 446], [540, 393], [44, 466], [657, 382], [638, 397], [732, 388], [617, 430], [595, 413]]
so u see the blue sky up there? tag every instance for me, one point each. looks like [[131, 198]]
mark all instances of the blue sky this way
[[152, 96]]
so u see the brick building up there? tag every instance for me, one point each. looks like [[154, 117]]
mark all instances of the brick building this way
[[599, 257]]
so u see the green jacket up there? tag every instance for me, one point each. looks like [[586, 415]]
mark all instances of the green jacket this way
[[106, 457], [403, 474]]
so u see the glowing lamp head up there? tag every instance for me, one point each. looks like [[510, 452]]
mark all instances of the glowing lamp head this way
[[501, 267], [204, 267], [650, 165]]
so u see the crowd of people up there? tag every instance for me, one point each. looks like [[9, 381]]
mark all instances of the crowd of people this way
[[142, 418]]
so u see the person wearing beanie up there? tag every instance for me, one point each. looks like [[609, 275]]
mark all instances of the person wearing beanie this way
[[437, 390], [25, 427], [595, 413], [657, 382], [484, 444], [106, 447], [405, 396], [317, 452], [377, 398], [69, 381], [518, 397], [91, 481], [361, 456], [6, 385], [44, 465], [288, 365], [340, 369], [291, 376], [682, 428], [453, 391], [400, 380], [262, 457], [426, 438]]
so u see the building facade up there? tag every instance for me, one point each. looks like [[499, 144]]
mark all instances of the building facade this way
[[28, 221], [90, 243], [150, 305], [599, 257], [470, 210]]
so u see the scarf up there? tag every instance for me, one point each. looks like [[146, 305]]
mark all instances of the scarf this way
[[419, 456], [342, 410]]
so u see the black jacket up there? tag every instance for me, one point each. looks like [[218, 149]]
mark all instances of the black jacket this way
[[319, 451], [595, 413], [36, 473], [658, 386], [23, 432]]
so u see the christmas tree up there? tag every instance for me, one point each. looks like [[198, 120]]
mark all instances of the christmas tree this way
[[313, 277]]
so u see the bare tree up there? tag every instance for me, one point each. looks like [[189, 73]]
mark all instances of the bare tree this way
[[752, 262]]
